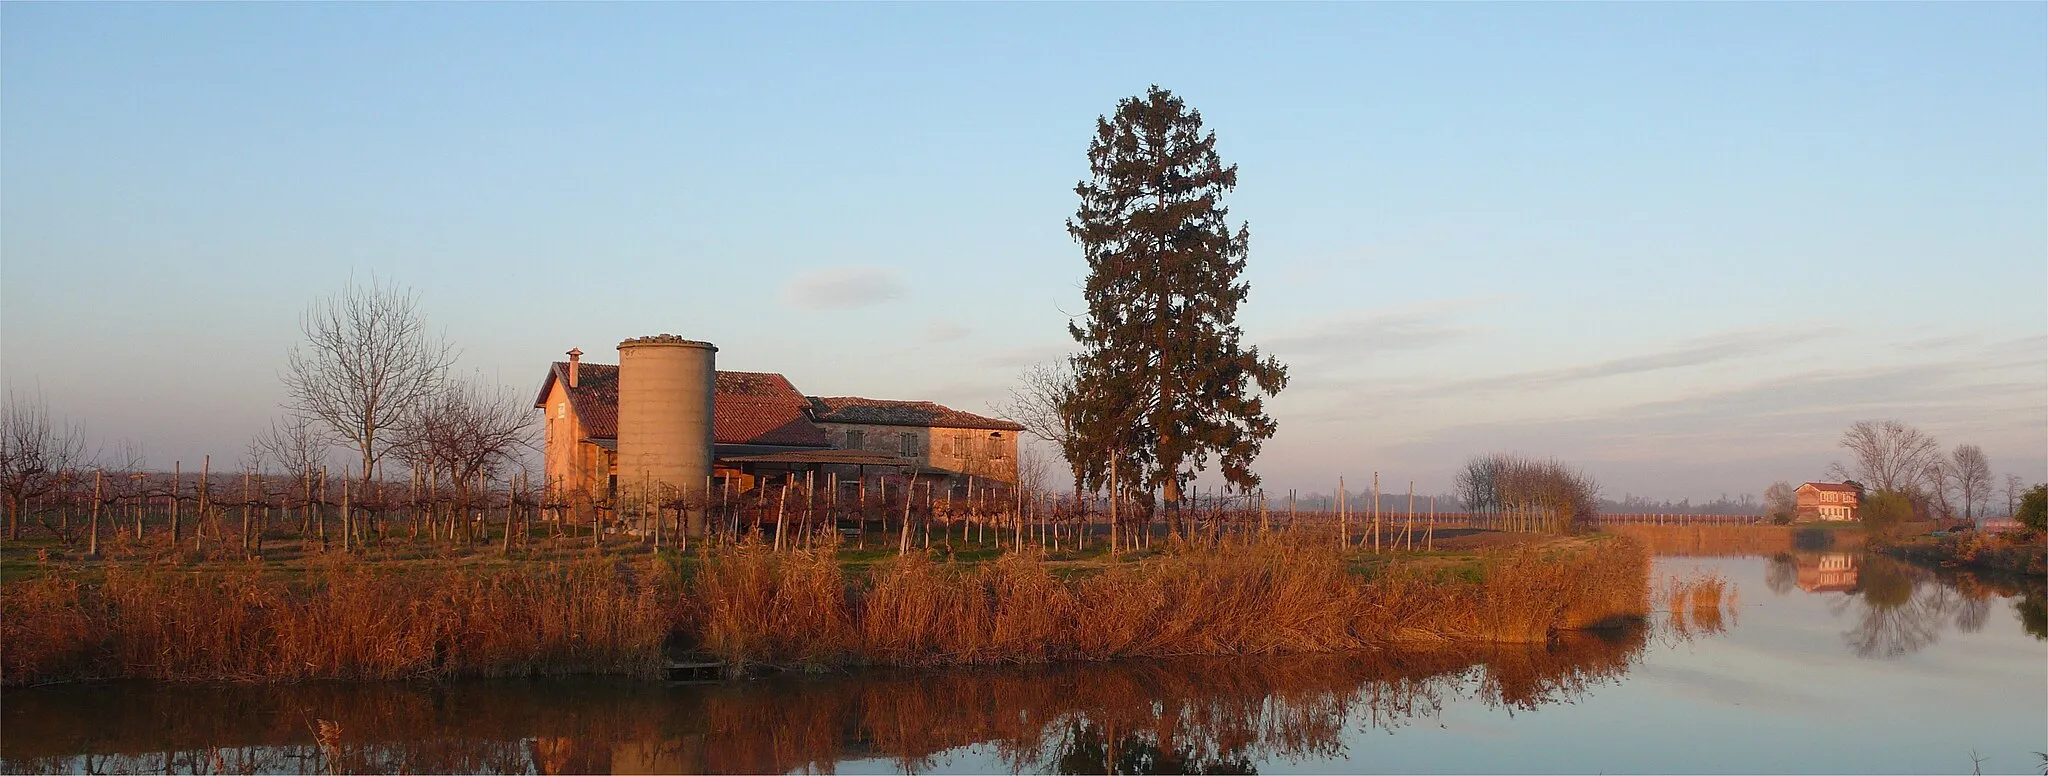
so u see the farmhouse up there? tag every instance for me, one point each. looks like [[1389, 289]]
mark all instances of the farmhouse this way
[[1827, 501], [760, 429]]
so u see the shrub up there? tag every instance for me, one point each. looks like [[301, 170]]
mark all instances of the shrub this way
[[1885, 511], [2033, 512]]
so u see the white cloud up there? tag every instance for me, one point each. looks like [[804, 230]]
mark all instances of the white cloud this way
[[838, 288], [945, 330]]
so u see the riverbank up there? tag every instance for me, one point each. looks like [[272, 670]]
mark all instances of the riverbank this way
[[2011, 552], [1740, 540], [746, 605]]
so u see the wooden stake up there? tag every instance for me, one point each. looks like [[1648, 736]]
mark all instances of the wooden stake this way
[[778, 512], [177, 485], [92, 544]]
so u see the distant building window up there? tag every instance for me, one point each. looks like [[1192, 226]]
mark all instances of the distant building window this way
[[561, 409], [855, 439], [907, 444], [995, 445]]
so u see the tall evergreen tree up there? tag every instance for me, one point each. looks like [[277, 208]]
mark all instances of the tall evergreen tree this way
[[1163, 380]]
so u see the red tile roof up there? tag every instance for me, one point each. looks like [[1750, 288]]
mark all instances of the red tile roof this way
[[851, 409], [749, 408], [1836, 487]]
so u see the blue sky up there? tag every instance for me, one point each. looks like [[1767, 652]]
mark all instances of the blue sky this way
[[1682, 245]]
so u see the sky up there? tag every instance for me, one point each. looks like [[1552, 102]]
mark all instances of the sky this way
[[1682, 246]]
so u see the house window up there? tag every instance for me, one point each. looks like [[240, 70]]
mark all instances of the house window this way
[[561, 409], [995, 445], [855, 438], [907, 444]]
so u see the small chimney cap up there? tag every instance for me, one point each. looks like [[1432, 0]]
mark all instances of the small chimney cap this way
[[575, 353]]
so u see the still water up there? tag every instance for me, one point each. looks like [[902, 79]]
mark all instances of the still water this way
[[1828, 662]]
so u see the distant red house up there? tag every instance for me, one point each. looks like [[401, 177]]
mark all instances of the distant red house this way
[[1998, 524], [1828, 501]]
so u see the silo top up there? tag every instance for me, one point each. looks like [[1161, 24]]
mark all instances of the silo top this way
[[666, 339]]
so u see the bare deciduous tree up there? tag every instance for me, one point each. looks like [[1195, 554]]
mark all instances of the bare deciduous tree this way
[[1971, 475], [1890, 456], [36, 454], [1940, 486], [466, 431], [367, 363], [296, 444], [1042, 402], [1535, 495], [2014, 486], [1781, 501]]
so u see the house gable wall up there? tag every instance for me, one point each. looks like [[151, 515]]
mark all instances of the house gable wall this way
[[572, 464]]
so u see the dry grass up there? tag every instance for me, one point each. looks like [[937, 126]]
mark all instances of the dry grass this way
[[748, 605]]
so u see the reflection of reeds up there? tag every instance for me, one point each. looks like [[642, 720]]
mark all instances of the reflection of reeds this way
[[746, 605], [1195, 711], [1703, 601]]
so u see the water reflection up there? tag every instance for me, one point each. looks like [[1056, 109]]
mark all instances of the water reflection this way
[[1899, 608], [1212, 715]]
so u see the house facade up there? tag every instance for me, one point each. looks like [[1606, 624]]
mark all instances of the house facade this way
[[935, 436], [1826, 501]]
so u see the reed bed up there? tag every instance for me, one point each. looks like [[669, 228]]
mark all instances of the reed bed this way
[[1261, 597], [750, 605], [341, 622], [1737, 540]]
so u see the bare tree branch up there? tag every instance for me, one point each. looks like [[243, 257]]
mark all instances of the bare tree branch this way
[[36, 454], [367, 362], [1889, 455]]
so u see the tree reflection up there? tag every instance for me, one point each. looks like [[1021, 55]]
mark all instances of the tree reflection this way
[[1781, 573], [1209, 715], [1901, 608], [1087, 750], [2033, 611]]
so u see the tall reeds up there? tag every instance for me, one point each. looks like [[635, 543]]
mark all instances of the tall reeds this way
[[344, 622], [1265, 597], [745, 604]]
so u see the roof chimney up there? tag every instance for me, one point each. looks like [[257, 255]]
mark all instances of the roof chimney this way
[[575, 358]]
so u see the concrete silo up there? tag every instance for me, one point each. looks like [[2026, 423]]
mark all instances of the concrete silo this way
[[666, 387]]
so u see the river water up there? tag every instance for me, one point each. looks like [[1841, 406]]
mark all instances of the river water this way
[[1826, 663]]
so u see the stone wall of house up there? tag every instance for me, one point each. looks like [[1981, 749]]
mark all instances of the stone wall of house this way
[[979, 452]]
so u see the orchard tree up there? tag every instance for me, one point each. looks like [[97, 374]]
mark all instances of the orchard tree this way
[[1164, 380], [37, 454]]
